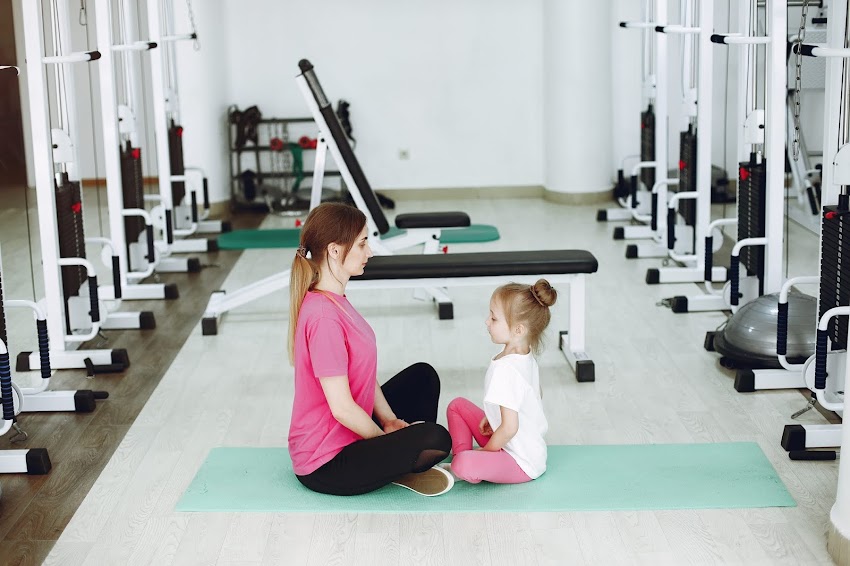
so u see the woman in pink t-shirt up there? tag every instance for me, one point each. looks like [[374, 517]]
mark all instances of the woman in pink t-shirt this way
[[349, 434]]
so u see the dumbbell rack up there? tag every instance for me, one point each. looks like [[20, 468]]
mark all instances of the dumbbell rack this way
[[258, 158]]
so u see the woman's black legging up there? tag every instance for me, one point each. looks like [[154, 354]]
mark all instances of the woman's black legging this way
[[367, 465]]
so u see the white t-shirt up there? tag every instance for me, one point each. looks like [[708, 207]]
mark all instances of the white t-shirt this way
[[513, 381]]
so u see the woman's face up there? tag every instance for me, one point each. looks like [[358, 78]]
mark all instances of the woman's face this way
[[358, 255]]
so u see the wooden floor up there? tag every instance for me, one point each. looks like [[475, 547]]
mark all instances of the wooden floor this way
[[34, 510], [655, 384]]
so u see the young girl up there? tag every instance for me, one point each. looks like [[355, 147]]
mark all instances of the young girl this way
[[511, 427]]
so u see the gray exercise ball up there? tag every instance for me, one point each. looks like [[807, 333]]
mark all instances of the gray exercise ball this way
[[749, 337]]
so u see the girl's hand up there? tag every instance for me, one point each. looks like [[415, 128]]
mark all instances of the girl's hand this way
[[484, 427], [394, 425]]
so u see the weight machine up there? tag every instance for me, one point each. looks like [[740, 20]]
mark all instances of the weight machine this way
[[177, 219], [74, 313]]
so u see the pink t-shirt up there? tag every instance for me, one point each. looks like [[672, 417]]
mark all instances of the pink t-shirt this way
[[328, 343]]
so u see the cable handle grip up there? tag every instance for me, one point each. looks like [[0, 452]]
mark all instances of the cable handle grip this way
[[634, 187], [718, 38], [734, 284], [43, 347], [709, 257], [151, 257], [820, 359], [194, 200], [116, 276], [169, 229], [660, 29], [6, 387], [671, 228], [782, 330], [95, 304], [653, 222], [206, 194]]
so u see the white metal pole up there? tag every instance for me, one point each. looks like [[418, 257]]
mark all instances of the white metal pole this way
[[704, 126], [661, 110], [133, 67], [43, 168], [111, 138], [774, 147], [163, 159]]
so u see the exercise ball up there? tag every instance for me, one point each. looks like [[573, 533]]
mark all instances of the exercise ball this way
[[749, 338]]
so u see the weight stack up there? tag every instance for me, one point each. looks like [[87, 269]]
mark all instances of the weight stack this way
[[688, 174], [69, 218], [647, 146], [133, 187], [175, 154], [751, 212], [834, 259]]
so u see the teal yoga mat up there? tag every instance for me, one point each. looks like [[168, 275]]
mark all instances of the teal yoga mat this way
[[288, 237], [579, 478]]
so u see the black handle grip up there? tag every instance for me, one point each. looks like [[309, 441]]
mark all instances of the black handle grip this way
[[6, 387], [634, 187], [169, 229], [734, 269], [624, 24], [804, 49], [820, 359], [94, 55], [151, 257], [206, 194], [718, 38], [660, 29], [116, 276], [782, 329], [43, 347], [194, 202], [709, 257], [653, 223], [671, 228], [305, 65], [152, 45], [95, 304]]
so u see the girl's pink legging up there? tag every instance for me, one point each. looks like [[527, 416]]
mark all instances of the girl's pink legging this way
[[475, 466]]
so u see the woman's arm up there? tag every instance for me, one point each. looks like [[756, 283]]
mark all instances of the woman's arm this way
[[348, 413], [506, 430], [384, 412]]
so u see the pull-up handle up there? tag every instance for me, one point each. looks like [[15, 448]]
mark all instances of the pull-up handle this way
[[43, 347], [116, 276], [151, 257], [737, 39], [79, 57], [819, 50]]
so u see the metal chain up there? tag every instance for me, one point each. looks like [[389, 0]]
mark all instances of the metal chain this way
[[197, 42], [798, 64]]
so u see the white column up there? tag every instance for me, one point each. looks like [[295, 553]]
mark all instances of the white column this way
[[204, 94], [577, 97]]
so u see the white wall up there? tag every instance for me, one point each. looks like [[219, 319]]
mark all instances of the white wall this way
[[457, 84], [577, 93]]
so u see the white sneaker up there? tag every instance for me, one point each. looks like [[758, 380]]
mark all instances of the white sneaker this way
[[429, 483]]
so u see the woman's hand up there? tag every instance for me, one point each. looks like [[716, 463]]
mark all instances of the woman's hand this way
[[484, 427], [394, 425]]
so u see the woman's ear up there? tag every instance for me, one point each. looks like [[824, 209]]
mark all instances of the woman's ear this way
[[520, 329]]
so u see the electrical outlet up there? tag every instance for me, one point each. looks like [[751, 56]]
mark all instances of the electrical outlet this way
[[404, 154]]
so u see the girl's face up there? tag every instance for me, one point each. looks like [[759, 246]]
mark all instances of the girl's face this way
[[358, 255], [497, 324]]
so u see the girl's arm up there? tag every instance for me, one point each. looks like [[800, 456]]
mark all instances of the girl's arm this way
[[385, 413], [348, 413], [506, 430]]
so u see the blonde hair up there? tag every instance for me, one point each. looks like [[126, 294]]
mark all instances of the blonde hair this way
[[328, 223], [528, 305]]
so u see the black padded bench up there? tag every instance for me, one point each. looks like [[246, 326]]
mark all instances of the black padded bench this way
[[492, 269]]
